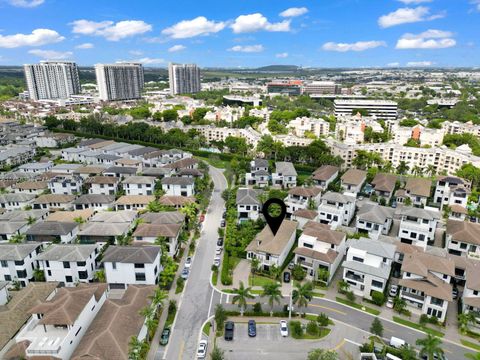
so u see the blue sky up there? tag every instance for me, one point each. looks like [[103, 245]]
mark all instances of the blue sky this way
[[243, 33]]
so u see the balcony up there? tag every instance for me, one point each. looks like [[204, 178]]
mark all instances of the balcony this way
[[415, 297], [354, 277]]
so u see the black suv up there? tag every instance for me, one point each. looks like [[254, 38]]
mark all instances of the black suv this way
[[229, 327], [252, 328]]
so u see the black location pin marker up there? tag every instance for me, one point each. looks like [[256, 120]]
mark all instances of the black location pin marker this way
[[274, 222]]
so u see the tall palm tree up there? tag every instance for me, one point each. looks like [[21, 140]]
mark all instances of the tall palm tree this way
[[302, 294], [417, 170], [430, 346], [190, 211], [465, 319], [343, 286], [31, 220], [387, 167], [17, 239], [431, 170], [158, 297], [402, 168], [274, 294], [242, 294], [147, 312]]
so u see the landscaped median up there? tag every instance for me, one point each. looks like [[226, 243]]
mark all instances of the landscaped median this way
[[419, 327], [470, 344], [358, 306]]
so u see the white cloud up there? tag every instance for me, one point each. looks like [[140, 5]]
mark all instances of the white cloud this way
[[476, 3], [26, 3], [393, 64], [176, 48], [200, 26], [136, 52], [358, 46], [85, 46], [407, 16], [408, 2], [256, 22], [282, 55], [38, 37], [420, 63], [430, 39], [110, 30], [149, 61], [51, 54], [247, 48], [294, 11]]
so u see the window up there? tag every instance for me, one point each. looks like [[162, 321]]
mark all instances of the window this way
[[421, 237], [47, 263], [81, 263], [377, 284], [22, 274], [4, 263], [139, 266], [475, 292], [68, 279], [140, 276], [309, 246], [436, 301], [66, 265], [82, 275], [114, 265], [8, 278], [355, 258], [49, 272]]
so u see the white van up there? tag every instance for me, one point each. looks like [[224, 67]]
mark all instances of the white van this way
[[392, 357], [396, 342]]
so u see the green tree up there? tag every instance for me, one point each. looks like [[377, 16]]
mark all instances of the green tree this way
[[38, 275], [298, 273], [322, 354], [241, 295], [399, 304], [377, 327], [323, 320], [217, 353], [343, 286], [17, 239], [220, 316], [430, 346], [408, 352], [464, 320], [236, 145], [302, 294], [31, 220], [158, 297], [402, 168], [273, 292]]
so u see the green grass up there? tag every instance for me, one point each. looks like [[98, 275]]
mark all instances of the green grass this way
[[470, 344], [170, 319], [214, 277], [322, 333], [215, 162], [413, 325], [318, 294], [179, 288], [257, 292], [259, 280], [206, 328], [357, 306]]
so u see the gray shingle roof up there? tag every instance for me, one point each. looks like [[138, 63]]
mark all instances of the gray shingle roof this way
[[67, 252], [417, 212], [248, 196], [16, 252], [375, 213], [177, 181], [337, 197], [374, 247], [52, 228], [94, 199], [285, 168], [131, 254]]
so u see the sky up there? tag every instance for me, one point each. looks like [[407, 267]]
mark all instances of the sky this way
[[243, 33]]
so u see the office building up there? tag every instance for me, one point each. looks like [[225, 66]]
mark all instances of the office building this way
[[321, 87], [286, 87], [184, 78], [52, 80], [122, 81], [382, 109]]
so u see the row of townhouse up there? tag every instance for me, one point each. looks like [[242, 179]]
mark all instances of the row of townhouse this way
[[285, 175]]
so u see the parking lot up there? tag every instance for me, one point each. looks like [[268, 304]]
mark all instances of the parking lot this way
[[269, 344]]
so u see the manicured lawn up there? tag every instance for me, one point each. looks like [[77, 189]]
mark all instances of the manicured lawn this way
[[179, 289], [206, 328], [470, 344], [215, 162], [170, 319], [357, 306], [413, 325], [322, 333], [259, 280], [318, 294], [214, 277], [257, 292]]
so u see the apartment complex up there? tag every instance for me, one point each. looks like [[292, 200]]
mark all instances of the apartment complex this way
[[184, 78], [122, 81], [382, 109]]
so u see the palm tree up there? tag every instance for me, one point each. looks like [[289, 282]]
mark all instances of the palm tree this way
[[402, 168], [417, 170], [158, 297], [465, 319], [31, 220], [274, 293], [302, 294], [17, 239], [431, 170], [275, 271], [100, 276], [79, 220], [343, 286], [408, 352], [387, 167], [241, 295], [190, 211], [399, 304], [430, 346]]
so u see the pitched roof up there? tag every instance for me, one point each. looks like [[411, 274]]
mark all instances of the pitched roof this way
[[139, 180], [156, 230], [265, 241], [70, 216], [375, 213], [104, 229], [21, 215], [16, 252], [374, 247], [419, 186], [165, 217], [135, 199], [304, 191], [260, 162], [67, 252], [324, 235], [422, 263], [183, 163], [325, 172], [131, 254], [5, 198], [285, 168], [54, 198], [328, 257], [89, 169], [102, 180], [384, 182], [417, 212], [430, 285], [248, 196], [337, 197], [306, 214], [31, 185], [122, 216], [52, 228], [121, 170], [354, 177], [176, 200], [94, 199], [464, 231], [10, 227], [472, 278], [176, 180]]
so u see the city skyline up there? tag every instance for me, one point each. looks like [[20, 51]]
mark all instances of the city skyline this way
[[346, 33]]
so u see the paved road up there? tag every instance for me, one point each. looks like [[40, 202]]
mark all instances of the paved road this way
[[198, 298]]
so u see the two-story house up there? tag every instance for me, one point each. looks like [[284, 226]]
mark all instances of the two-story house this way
[[107, 227], [302, 198], [125, 265], [417, 226], [463, 238], [451, 190], [149, 233], [10, 229], [325, 175], [54, 202], [303, 216], [258, 175], [66, 185], [18, 261], [471, 291], [336, 209], [374, 220], [367, 266], [320, 250], [248, 203], [353, 180], [285, 175], [425, 283], [180, 186], [68, 264], [418, 190], [139, 185], [102, 185], [53, 231], [94, 201], [133, 202], [384, 185], [16, 201]]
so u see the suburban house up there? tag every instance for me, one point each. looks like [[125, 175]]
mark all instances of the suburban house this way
[[54, 202], [30, 187], [367, 266], [24, 215], [16, 201], [325, 175], [139, 185], [303, 216], [126, 265], [102, 185], [36, 167], [68, 264], [94, 201], [302, 198], [81, 216], [163, 217], [180, 186], [151, 232], [107, 227], [175, 201], [285, 175], [56, 326], [133, 202], [258, 175], [425, 283], [417, 226], [353, 180], [120, 171], [336, 209], [9, 229], [471, 291], [458, 212], [18, 261], [53, 231], [4, 297], [272, 249], [374, 220], [66, 184], [90, 170], [418, 190], [384, 185], [320, 250], [451, 190], [463, 238], [248, 202]]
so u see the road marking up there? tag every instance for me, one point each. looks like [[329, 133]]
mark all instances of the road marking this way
[[328, 308], [182, 346], [339, 345], [352, 342], [210, 306]]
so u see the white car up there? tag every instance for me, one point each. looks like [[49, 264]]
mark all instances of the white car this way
[[283, 328], [216, 261], [390, 303], [393, 290], [188, 262], [218, 251], [202, 349]]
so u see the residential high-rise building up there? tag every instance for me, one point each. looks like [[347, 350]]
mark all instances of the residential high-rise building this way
[[122, 81], [52, 80], [184, 78]]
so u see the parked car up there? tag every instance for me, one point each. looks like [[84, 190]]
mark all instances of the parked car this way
[[397, 342], [286, 277], [216, 261], [218, 251], [454, 293], [252, 328], [202, 349], [390, 303], [291, 265], [394, 204], [283, 328], [224, 215], [222, 223], [229, 329], [393, 290], [220, 242], [188, 262], [165, 336], [185, 273]]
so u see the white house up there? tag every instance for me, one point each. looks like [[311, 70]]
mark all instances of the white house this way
[[36, 167], [3, 293], [463, 238], [272, 249], [367, 266], [425, 283], [57, 325], [471, 291], [182, 186], [151, 232], [375, 220], [353, 180], [302, 198], [66, 184], [139, 185], [53, 231], [102, 185], [125, 265], [248, 203], [336, 209], [94, 201], [285, 175], [258, 175], [68, 264], [9, 229], [18, 261], [451, 190], [30, 187], [54, 202], [325, 175], [417, 226], [16, 201], [133, 202], [418, 190]]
